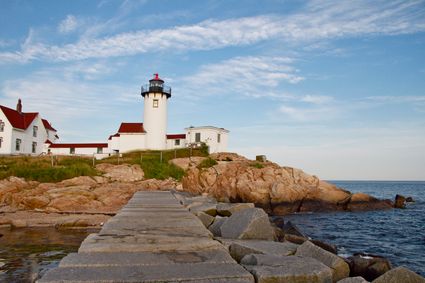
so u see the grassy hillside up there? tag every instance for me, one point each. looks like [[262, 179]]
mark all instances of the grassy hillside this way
[[154, 164]]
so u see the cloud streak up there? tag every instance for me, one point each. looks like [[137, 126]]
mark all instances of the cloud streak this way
[[318, 20]]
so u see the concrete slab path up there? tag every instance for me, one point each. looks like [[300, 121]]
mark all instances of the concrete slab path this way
[[152, 239]]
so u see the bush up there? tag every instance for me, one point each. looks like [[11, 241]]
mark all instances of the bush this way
[[207, 163], [257, 165], [161, 171]]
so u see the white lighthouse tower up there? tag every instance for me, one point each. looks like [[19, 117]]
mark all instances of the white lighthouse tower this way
[[155, 96]]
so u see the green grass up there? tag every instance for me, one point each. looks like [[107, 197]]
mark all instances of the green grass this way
[[40, 168], [66, 167]]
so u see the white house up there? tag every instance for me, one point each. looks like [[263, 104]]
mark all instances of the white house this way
[[24, 133], [28, 133]]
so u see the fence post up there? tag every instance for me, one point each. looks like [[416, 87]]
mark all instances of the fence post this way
[[51, 160], [175, 153], [141, 158], [160, 158], [93, 161]]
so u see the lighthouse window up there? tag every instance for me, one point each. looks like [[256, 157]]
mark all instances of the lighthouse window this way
[[1, 141], [197, 137], [34, 131], [218, 138], [176, 142], [1, 126], [155, 103]]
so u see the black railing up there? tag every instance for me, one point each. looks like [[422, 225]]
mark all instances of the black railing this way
[[161, 89]]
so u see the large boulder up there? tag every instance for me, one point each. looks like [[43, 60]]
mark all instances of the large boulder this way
[[340, 268], [121, 173], [368, 266], [251, 223], [399, 274], [240, 248], [215, 227], [286, 269], [279, 190], [206, 219], [400, 201], [227, 209]]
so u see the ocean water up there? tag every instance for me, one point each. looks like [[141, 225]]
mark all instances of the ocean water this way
[[27, 253], [398, 234]]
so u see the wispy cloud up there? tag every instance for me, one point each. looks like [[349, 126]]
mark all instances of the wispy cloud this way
[[69, 24], [255, 76], [397, 99], [318, 20]]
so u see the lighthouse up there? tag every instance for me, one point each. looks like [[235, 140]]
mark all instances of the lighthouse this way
[[155, 96]]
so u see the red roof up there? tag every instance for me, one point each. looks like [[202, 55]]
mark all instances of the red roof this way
[[131, 128], [18, 120], [47, 125], [48, 141], [176, 136], [78, 145]]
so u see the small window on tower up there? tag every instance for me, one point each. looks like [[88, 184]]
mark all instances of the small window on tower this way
[[34, 131], [155, 103], [218, 138], [1, 126]]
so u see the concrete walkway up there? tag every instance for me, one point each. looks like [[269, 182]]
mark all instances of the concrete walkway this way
[[152, 239]]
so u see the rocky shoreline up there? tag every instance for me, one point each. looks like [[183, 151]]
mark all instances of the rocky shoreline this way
[[88, 201], [230, 185], [274, 251]]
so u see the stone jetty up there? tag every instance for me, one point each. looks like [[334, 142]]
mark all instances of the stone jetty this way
[[152, 239]]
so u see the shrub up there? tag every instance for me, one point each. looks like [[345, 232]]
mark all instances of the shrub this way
[[207, 163], [257, 165]]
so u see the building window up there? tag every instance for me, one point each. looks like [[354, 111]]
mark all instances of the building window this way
[[1, 141], [218, 138], [155, 103], [197, 137], [72, 150], [18, 144], [34, 147], [99, 150], [34, 131], [176, 142], [1, 126]]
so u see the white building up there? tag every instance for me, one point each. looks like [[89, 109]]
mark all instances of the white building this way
[[152, 134], [24, 133], [149, 135]]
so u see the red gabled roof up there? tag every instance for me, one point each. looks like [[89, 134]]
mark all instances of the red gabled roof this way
[[18, 120], [47, 125], [131, 128], [48, 141], [176, 136], [77, 145]]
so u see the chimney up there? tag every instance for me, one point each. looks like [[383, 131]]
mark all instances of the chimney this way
[[19, 106]]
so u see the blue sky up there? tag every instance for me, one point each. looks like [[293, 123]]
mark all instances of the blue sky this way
[[336, 88]]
